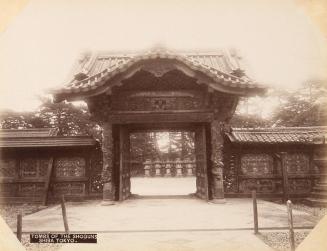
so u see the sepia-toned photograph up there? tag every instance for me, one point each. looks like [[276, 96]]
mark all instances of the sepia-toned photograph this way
[[163, 125]]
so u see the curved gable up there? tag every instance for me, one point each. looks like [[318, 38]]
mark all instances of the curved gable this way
[[158, 63]]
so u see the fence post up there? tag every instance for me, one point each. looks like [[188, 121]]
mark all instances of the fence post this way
[[64, 214], [255, 212], [19, 227], [290, 225]]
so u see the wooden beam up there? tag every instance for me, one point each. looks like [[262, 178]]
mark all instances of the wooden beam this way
[[285, 177], [172, 117], [47, 182]]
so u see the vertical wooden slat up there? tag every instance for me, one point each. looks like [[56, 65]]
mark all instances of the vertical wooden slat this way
[[87, 173], [285, 176], [47, 182], [205, 172], [237, 167], [124, 164], [121, 163], [201, 163]]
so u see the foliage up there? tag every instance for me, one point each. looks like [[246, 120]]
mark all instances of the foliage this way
[[16, 120], [68, 118], [252, 121], [305, 106], [302, 107], [162, 145]]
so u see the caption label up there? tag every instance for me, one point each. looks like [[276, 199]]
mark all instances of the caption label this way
[[63, 238]]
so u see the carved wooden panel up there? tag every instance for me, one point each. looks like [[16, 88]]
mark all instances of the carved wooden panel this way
[[261, 185], [28, 168], [70, 167], [7, 167], [297, 163], [33, 167], [217, 164], [256, 164], [316, 182], [299, 185], [74, 188], [230, 173], [124, 165], [43, 167], [96, 185], [30, 189], [158, 101], [8, 189], [158, 69], [201, 164]]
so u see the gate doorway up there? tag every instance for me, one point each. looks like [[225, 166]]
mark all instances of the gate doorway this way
[[186, 170]]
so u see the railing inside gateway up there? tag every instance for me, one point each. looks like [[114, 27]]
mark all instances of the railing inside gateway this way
[[158, 168]]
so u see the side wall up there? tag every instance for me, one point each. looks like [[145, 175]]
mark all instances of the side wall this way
[[264, 168], [75, 174]]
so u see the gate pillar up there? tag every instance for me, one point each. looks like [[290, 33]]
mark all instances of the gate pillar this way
[[107, 152], [217, 181]]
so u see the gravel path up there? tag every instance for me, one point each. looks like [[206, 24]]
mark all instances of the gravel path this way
[[9, 214], [280, 240], [317, 212], [38, 247]]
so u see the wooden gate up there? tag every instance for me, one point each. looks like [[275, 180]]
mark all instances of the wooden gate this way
[[201, 163], [124, 164]]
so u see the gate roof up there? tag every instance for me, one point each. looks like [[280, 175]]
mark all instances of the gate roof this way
[[277, 135], [41, 137], [224, 71]]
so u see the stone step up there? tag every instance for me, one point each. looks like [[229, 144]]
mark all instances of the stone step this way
[[322, 195], [319, 189], [316, 202], [322, 186]]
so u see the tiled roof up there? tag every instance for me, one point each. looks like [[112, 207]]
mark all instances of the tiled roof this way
[[37, 142], [98, 68], [304, 135], [40, 137], [22, 133]]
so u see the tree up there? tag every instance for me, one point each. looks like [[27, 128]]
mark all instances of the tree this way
[[303, 107], [14, 120], [251, 120], [68, 118], [149, 145]]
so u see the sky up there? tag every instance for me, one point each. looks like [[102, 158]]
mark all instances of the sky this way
[[280, 44]]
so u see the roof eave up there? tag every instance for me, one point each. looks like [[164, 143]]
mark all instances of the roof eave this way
[[216, 79]]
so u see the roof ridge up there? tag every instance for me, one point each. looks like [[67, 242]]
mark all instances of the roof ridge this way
[[305, 135], [29, 129], [129, 53], [249, 129], [219, 66], [29, 132]]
